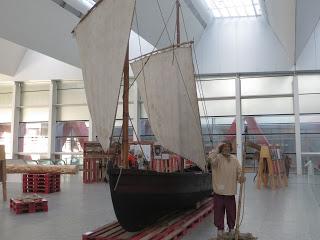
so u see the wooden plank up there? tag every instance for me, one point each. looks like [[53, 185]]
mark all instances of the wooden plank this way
[[3, 172], [26, 168]]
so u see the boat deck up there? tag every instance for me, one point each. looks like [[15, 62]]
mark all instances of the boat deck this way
[[173, 226]]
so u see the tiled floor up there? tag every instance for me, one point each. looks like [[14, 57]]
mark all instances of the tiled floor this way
[[287, 214], [292, 213]]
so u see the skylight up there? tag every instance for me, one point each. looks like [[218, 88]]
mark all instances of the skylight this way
[[235, 8]]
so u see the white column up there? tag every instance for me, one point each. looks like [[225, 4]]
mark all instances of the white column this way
[[53, 98], [16, 102], [238, 119], [135, 110], [296, 108]]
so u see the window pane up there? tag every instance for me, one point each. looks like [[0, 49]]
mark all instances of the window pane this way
[[145, 128], [70, 85], [35, 98], [309, 84], [5, 99], [286, 141], [73, 113], [34, 157], [310, 142], [218, 107], [310, 124], [5, 115], [70, 136], [34, 114], [5, 137], [270, 124], [33, 144], [72, 128], [33, 129], [266, 86], [309, 103], [218, 125], [216, 88], [33, 138], [262, 106], [35, 86], [72, 96], [70, 144], [71, 159]]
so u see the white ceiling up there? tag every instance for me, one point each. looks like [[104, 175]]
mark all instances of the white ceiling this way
[[11, 56], [44, 26]]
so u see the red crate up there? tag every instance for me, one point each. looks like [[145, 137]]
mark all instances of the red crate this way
[[41, 183], [94, 162], [19, 206]]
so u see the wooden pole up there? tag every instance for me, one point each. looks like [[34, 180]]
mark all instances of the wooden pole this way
[[28, 168], [125, 113], [178, 43], [178, 21], [3, 174], [237, 230]]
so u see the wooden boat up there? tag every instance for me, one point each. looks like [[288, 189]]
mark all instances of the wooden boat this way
[[143, 197], [167, 86]]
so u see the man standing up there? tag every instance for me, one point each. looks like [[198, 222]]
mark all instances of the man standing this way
[[226, 172]]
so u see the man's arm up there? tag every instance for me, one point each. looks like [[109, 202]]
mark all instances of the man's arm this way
[[213, 157]]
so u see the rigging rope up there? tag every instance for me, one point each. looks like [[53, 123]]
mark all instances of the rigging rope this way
[[199, 83], [139, 143], [155, 46], [165, 24]]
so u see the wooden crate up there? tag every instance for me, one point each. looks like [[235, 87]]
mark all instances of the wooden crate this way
[[94, 162], [19, 206], [41, 183]]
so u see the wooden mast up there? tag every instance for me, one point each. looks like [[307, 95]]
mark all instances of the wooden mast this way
[[178, 43], [178, 21], [125, 112]]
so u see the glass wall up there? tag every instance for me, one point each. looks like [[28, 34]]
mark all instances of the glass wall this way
[[5, 117], [267, 114], [266, 106], [33, 126], [309, 96]]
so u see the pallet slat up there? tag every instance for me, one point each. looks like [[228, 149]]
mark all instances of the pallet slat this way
[[41, 183], [36, 205], [173, 226]]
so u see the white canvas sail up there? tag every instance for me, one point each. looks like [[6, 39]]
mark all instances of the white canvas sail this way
[[102, 38], [168, 89]]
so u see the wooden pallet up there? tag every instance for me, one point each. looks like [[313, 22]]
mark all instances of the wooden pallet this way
[[172, 227], [41, 183], [94, 162], [20, 206]]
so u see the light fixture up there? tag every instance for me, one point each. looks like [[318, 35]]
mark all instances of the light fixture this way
[[234, 8]]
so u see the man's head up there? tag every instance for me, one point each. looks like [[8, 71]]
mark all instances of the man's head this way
[[225, 148]]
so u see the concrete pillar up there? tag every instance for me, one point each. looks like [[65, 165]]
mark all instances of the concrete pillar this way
[[16, 102], [53, 100], [296, 107]]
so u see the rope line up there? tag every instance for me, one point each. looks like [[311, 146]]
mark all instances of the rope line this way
[[155, 46], [201, 93]]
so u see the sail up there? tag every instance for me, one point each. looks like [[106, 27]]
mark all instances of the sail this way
[[168, 90], [102, 38]]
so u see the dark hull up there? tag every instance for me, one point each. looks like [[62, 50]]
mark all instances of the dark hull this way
[[142, 197]]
